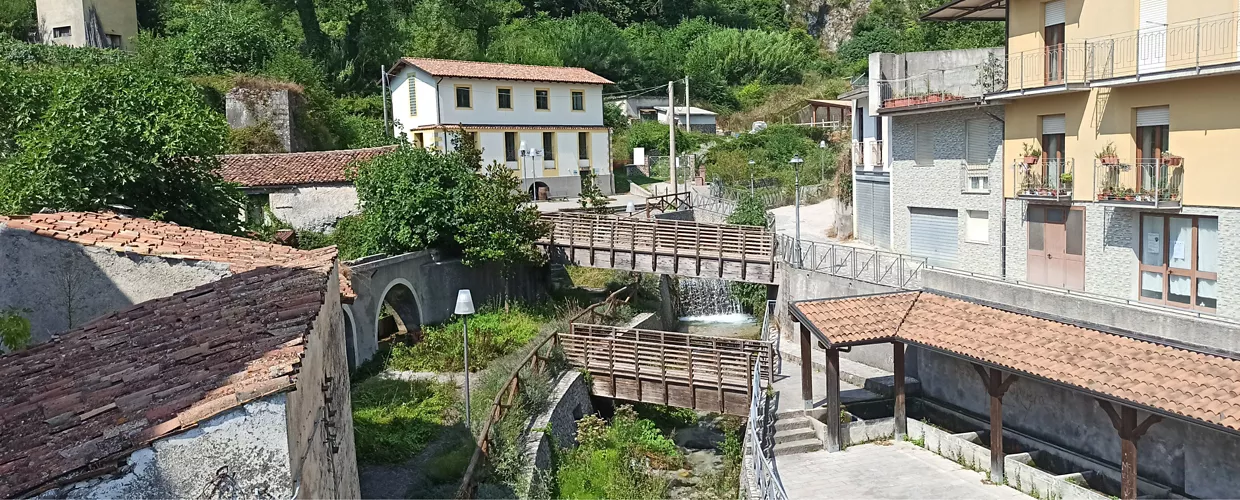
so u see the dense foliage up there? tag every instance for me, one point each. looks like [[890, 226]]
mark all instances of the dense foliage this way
[[493, 333], [610, 460]]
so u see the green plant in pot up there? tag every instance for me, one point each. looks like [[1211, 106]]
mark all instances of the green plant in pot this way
[[1172, 160], [1108, 156], [1031, 153]]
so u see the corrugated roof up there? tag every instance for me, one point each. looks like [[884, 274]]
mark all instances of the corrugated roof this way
[[969, 10], [502, 71], [92, 396], [1177, 381], [290, 169]]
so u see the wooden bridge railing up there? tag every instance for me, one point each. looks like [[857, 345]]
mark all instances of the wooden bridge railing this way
[[670, 368], [657, 238]]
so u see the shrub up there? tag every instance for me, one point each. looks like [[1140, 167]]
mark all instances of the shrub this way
[[492, 333]]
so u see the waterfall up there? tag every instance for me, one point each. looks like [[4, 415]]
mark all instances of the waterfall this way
[[706, 297]]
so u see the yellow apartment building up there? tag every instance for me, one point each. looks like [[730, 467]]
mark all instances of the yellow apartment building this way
[[1120, 119]]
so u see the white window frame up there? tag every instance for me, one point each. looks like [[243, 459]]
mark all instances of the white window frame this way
[[977, 174], [974, 225], [413, 97]]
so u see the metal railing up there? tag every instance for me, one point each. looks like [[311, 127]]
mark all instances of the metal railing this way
[[1045, 67], [765, 482], [970, 172], [1156, 183], [864, 264], [772, 337], [876, 154], [1044, 180], [937, 85], [858, 153], [1189, 44]]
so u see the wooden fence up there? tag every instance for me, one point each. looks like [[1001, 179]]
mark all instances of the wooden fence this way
[[615, 242]]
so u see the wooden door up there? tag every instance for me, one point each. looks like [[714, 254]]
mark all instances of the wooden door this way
[[1056, 247]]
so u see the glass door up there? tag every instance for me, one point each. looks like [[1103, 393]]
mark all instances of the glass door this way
[[1151, 143], [1054, 53]]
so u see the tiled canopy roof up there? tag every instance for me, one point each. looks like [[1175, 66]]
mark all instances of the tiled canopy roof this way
[[289, 169], [502, 71], [1177, 381], [86, 400]]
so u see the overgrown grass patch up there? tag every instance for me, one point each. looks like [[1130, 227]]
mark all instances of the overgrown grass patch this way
[[393, 420], [492, 333], [593, 277], [611, 459]]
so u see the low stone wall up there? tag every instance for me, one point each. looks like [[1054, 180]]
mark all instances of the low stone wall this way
[[570, 400]]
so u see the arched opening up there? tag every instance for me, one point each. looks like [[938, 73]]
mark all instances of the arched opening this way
[[350, 336], [397, 313], [540, 191]]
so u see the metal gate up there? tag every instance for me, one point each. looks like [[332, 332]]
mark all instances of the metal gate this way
[[934, 234], [873, 204]]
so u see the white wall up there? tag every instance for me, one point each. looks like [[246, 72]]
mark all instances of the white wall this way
[[565, 162], [694, 119], [485, 110], [316, 208], [427, 105]]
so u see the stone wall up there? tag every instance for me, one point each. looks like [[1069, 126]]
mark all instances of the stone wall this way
[[58, 285], [274, 107], [314, 208], [246, 444], [320, 415], [570, 400], [940, 185]]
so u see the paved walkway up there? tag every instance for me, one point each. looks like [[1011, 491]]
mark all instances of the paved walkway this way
[[873, 471]]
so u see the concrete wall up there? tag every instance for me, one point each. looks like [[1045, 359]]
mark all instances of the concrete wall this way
[[246, 107], [952, 71], [1195, 460], [570, 400], [797, 284], [434, 283], [58, 285], [247, 444], [90, 21], [316, 208], [942, 184], [320, 416]]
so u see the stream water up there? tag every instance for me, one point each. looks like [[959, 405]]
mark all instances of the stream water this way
[[707, 308]]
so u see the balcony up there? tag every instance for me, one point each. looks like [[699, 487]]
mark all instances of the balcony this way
[[1147, 183], [1047, 180], [876, 154], [936, 88], [858, 154], [1191, 48], [1046, 70]]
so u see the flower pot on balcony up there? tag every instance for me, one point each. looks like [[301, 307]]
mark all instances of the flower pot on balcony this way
[[1030, 160], [1173, 161], [1110, 160]]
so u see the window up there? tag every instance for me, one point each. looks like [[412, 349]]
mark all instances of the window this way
[[1153, 135], [62, 32], [256, 206], [464, 97], [1179, 260], [510, 146], [977, 143], [1054, 130], [977, 226], [579, 100], [503, 97], [413, 96], [542, 99], [979, 182], [583, 145], [114, 41], [549, 146], [923, 145], [1053, 36]]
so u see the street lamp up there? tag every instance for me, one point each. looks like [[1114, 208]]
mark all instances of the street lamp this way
[[796, 162], [822, 160], [533, 196], [464, 308], [751, 163]]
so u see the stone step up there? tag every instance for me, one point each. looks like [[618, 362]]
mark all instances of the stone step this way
[[790, 435], [795, 447], [797, 422]]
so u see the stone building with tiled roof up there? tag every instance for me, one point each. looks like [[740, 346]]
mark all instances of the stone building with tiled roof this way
[[308, 190], [194, 364]]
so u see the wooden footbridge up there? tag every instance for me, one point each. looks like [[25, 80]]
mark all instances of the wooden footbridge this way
[[684, 248]]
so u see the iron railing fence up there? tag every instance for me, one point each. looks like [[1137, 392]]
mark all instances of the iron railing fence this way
[[864, 264], [1188, 44], [1148, 182], [765, 482], [1044, 180]]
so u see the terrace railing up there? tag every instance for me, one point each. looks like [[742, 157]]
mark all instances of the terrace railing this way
[[864, 264], [1044, 180], [936, 86], [765, 483], [1045, 67], [858, 153], [1189, 44], [1154, 183]]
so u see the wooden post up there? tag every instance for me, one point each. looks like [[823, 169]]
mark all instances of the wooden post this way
[[996, 387], [807, 373], [720, 252], [1125, 423], [834, 430], [612, 246], [897, 360], [632, 245], [676, 247], [697, 250]]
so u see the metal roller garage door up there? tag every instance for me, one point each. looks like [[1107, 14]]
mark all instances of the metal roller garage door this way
[[873, 204], [934, 234]]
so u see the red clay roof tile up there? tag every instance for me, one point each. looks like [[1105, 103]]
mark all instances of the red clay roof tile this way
[[502, 71], [289, 169]]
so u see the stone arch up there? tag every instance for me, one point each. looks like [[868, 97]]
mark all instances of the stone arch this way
[[536, 186], [350, 336], [399, 297]]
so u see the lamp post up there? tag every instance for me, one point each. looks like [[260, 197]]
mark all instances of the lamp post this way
[[464, 308], [531, 154], [533, 196], [796, 162], [822, 160], [751, 163]]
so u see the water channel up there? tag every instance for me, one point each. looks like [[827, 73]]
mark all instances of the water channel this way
[[707, 308]]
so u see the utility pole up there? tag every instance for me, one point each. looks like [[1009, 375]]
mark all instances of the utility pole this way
[[671, 131], [383, 81], [688, 124]]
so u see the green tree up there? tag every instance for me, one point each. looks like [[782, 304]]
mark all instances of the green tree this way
[[93, 137], [592, 198], [17, 18], [14, 330], [499, 226], [749, 212]]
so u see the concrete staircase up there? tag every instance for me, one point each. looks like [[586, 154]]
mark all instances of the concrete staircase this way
[[793, 434]]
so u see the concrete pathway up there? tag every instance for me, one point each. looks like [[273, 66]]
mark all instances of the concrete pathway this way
[[876, 471]]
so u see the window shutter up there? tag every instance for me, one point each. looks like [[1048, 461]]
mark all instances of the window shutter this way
[[923, 147], [1054, 13], [1158, 115], [1053, 124], [977, 142], [413, 96]]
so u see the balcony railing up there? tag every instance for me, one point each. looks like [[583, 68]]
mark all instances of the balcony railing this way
[[1156, 183], [1196, 43], [1045, 67], [1045, 179], [858, 153], [939, 85], [876, 154]]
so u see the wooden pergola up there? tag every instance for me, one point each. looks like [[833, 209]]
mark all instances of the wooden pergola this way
[[998, 342]]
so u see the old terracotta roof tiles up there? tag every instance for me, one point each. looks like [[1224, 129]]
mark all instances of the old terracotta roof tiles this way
[[1178, 381], [291, 169], [502, 71], [87, 399]]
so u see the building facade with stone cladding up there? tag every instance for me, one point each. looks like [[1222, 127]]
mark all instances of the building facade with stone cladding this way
[[943, 184]]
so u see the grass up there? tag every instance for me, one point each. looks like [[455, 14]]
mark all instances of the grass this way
[[610, 461], [725, 482], [393, 420], [666, 418], [492, 333], [597, 278]]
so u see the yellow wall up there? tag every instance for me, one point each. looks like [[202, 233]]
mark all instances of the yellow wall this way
[[1205, 131]]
